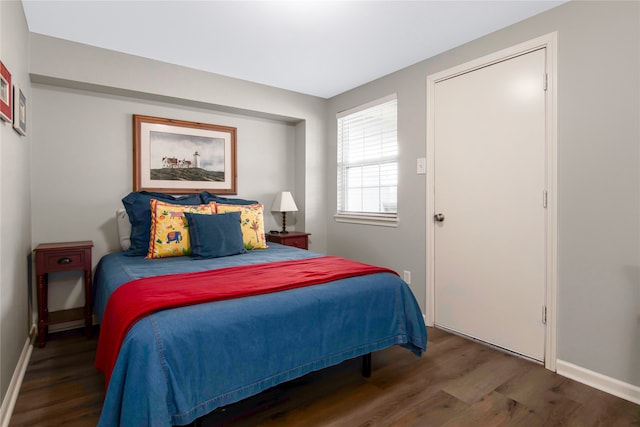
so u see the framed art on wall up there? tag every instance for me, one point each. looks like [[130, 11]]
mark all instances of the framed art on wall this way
[[19, 110], [180, 157], [5, 93]]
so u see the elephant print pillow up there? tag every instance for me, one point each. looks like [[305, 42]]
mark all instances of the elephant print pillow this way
[[170, 230]]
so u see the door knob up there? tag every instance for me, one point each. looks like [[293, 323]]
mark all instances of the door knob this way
[[438, 217]]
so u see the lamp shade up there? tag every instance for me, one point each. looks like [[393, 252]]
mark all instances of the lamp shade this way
[[284, 203]]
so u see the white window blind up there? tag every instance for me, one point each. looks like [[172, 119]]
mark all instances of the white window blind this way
[[368, 161]]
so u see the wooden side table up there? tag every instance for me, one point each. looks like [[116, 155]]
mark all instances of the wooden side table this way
[[57, 257], [296, 239]]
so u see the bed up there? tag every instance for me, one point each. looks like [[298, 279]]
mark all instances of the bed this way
[[178, 364]]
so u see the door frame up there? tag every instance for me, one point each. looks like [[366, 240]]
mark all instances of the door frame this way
[[549, 42]]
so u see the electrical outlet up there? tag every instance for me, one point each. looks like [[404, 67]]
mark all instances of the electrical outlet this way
[[406, 275]]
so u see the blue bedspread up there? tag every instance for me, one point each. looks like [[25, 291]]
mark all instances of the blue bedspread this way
[[177, 365]]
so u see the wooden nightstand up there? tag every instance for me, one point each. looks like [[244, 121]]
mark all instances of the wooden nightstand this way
[[57, 257], [296, 239]]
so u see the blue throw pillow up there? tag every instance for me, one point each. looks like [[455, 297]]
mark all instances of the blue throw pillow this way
[[138, 207], [216, 235], [208, 198]]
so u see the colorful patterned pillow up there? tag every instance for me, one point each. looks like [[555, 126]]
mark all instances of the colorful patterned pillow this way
[[138, 206], [170, 229], [251, 221]]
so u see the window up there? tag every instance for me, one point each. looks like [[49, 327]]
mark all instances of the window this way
[[368, 163]]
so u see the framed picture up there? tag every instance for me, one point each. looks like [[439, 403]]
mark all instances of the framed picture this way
[[19, 110], [5, 93], [179, 157]]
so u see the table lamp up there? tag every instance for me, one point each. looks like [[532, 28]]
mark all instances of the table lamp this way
[[284, 203]]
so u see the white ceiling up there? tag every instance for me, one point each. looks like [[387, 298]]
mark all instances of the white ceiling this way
[[320, 48]]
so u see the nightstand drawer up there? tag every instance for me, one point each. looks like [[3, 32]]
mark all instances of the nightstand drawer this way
[[297, 242], [64, 260], [297, 239]]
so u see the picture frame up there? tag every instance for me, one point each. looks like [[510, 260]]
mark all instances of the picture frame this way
[[5, 93], [181, 157], [19, 110]]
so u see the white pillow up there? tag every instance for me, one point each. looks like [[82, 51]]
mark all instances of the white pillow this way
[[124, 228]]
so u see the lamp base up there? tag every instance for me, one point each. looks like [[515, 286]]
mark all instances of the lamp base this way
[[284, 224]]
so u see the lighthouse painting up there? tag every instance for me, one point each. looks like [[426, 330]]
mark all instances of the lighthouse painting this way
[[183, 157], [174, 151]]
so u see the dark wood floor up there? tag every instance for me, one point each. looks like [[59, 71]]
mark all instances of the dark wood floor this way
[[456, 383]]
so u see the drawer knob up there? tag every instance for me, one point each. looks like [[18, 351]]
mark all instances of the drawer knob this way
[[64, 261]]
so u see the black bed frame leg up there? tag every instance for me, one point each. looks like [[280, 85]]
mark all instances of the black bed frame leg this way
[[366, 365]]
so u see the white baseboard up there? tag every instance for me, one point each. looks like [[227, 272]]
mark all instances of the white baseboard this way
[[607, 384], [9, 401]]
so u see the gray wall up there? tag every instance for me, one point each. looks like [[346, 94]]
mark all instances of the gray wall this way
[[134, 85], [15, 209], [598, 177]]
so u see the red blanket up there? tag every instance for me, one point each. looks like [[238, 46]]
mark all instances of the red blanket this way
[[138, 298]]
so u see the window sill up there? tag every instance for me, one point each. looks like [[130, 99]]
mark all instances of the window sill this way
[[364, 219]]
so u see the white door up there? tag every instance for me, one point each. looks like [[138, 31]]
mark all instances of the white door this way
[[490, 187]]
